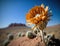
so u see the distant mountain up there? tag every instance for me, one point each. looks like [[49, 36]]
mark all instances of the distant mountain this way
[[16, 24]]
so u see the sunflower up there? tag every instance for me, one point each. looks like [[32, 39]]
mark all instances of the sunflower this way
[[38, 15]]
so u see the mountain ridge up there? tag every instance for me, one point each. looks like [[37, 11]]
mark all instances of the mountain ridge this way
[[20, 24]]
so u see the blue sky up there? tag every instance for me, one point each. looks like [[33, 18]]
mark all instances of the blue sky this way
[[14, 11]]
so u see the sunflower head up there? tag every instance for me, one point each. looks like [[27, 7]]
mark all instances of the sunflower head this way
[[38, 15]]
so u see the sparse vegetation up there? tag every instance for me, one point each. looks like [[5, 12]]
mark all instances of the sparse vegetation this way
[[35, 31], [19, 34], [48, 38], [22, 35], [6, 42], [29, 34], [48, 30], [10, 36], [52, 41]]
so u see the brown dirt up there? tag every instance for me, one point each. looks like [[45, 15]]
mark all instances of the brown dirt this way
[[24, 41]]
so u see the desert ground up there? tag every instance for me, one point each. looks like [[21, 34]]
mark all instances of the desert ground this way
[[55, 29]]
